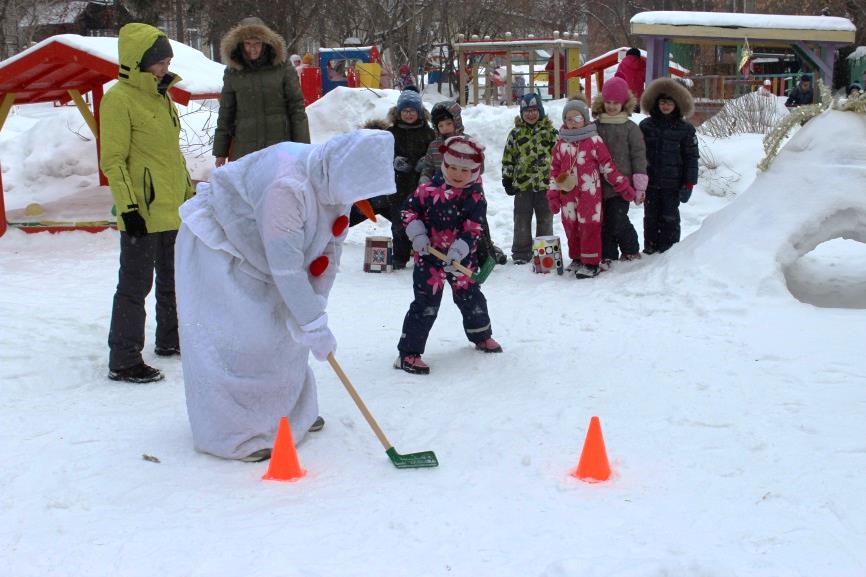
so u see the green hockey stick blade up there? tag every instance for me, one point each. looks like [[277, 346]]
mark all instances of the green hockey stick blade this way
[[412, 460], [484, 271]]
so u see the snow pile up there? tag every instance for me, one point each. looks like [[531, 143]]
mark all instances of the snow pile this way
[[810, 194]]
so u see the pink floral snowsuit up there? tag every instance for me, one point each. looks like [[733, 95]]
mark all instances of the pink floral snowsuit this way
[[449, 214], [581, 205]]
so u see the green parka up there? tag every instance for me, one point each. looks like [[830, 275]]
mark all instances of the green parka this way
[[526, 157], [139, 136], [261, 102]]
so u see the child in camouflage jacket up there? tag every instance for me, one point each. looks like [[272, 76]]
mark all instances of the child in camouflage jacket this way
[[526, 172]]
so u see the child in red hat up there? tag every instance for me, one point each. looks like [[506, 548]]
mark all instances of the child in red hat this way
[[447, 215], [624, 140]]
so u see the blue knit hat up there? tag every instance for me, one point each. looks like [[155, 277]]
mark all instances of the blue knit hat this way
[[410, 99], [531, 100]]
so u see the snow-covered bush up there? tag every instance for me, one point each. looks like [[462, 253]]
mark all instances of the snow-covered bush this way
[[752, 113]]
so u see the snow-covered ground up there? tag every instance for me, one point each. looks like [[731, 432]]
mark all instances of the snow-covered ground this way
[[733, 412]]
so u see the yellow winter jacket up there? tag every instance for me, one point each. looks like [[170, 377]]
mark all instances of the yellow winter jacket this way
[[139, 137]]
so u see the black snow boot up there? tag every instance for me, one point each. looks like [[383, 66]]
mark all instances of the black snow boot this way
[[140, 373]]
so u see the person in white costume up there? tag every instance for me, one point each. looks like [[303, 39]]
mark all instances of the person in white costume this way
[[256, 256]]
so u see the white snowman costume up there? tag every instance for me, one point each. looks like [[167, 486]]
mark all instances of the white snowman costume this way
[[255, 258]]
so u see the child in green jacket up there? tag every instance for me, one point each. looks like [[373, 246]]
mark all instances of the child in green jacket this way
[[526, 173]]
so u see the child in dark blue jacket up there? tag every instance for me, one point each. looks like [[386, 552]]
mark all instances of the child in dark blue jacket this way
[[672, 161], [446, 214]]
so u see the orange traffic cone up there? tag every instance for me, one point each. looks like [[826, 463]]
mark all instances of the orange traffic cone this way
[[593, 465], [284, 465]]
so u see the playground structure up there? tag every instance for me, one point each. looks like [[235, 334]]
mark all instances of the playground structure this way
[[594, 69], [814, 39], [476, 54], [857, 65], [351, 66], [65, 68]]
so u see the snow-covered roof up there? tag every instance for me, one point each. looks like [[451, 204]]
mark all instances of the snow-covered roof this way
[[859, 52], [200, 74], [345, 49], [732, 19]]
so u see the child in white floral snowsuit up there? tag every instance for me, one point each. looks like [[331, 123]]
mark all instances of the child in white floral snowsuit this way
[[580, 159]]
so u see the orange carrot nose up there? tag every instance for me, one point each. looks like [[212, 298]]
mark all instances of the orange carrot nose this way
[[366, 209]]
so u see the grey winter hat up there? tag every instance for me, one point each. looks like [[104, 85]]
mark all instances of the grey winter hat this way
[[579, 105], [160, 50]]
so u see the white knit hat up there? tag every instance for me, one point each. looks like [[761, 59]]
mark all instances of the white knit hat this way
[[462, 151]]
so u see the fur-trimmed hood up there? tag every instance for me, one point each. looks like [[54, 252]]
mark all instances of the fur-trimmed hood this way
[[672, 88], [598, 105], [376, 124], [448, 108], [231, 45]]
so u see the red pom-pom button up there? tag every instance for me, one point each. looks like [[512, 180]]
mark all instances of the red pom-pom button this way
[[340, 225], [318, 266]]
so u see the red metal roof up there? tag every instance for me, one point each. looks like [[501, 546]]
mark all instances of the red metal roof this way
[[48, 72]]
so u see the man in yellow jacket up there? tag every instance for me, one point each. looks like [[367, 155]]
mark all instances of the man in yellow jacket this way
[[139, 139]]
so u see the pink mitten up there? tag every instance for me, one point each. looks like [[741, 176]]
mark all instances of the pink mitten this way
[[640, 182], [554, 202]]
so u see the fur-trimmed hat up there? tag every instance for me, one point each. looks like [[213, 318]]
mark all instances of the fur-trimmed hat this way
[[160, 50], [530, 101], [410, 99], [274, 50], [578, 104], [464, 152], [667, 88]]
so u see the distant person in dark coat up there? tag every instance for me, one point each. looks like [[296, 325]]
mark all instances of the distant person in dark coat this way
[[802, 94]]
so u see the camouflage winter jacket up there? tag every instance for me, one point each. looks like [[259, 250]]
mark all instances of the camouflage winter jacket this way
[[526, 158]]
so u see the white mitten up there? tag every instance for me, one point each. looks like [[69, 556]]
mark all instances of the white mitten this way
[[319, 338], [417, 233], [458, 250]]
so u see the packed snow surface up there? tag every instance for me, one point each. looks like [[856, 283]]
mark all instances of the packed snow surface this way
[[732, 410]]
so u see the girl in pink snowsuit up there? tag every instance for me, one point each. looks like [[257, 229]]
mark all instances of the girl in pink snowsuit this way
[[580, 158]]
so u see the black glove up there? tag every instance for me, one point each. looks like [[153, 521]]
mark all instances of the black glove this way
[[685, 193], [134, 224], [401, 164], [508, 185]]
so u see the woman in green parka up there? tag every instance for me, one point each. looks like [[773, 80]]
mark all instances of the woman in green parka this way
[[139, 138], [261, 102]]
